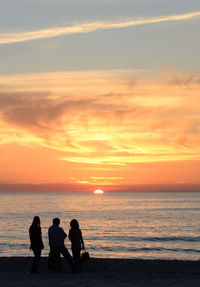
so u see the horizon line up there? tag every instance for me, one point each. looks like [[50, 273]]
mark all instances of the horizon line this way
[[78, 188]]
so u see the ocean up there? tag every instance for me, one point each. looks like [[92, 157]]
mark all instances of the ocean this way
[[114, 225]]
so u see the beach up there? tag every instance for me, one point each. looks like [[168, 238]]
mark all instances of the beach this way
[[15, 271]]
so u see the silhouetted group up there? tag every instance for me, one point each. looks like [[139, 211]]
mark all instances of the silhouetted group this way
[[56, 243]]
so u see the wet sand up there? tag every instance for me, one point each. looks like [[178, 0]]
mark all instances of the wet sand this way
[[15, 271]]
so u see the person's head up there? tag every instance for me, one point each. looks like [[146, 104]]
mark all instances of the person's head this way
[[36, 221], [74, 224], [56, 221]]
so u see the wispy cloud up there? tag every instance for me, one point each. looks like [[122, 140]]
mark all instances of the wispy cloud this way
[[81, 28], [104, 116], [89, 125]]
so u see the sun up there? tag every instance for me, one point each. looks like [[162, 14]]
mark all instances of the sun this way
[[98, 191]]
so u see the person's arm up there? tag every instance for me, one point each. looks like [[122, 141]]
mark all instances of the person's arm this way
[[81, 239], [49, 235], [30, 236], [41, 241], [70, 235], [63, 233]]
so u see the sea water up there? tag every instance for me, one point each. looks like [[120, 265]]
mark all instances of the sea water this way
[[114, 225]]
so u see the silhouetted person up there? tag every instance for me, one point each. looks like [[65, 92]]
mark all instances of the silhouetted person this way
[[36, 242], [56, 242], [77, 243]]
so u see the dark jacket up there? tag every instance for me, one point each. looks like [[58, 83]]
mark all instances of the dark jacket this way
[[56, 235], [36, 237], [75, 236]]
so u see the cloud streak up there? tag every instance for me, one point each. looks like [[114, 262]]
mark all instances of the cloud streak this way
[[82, 28], [103, 115], [89, 125]]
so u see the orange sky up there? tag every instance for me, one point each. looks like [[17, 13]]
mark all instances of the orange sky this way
[[117, 127]]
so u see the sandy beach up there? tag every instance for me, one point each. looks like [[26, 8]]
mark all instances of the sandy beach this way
[[14, 271]]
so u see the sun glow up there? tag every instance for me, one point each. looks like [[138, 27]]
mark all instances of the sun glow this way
[[98, 191]]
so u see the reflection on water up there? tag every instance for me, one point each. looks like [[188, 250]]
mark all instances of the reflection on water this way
[[128, 225]]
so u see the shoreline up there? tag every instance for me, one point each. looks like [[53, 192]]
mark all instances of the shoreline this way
[[15, 271]]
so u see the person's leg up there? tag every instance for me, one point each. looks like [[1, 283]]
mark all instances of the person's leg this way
[[36, 259], [54, 262], [63, 250], [77, 258]]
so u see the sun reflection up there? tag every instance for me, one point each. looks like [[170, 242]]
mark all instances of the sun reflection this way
[[98, 191]]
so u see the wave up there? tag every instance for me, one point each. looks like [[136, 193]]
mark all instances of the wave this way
[[170, 238], [144, 249], [14, 245], [173, 209], [148, 238], [163, 249]]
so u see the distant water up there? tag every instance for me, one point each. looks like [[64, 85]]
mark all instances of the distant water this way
[[114, 225]]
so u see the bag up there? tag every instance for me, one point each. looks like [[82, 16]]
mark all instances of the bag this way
[[85, 255]]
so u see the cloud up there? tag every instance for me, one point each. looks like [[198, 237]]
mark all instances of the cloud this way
[[8, 38], [95, 118], [178, 79]]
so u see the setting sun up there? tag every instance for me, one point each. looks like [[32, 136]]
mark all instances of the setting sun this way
[[98, 191]]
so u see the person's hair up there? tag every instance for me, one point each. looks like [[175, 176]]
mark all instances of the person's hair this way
[[74, 224], [36, 221], [56, 221]]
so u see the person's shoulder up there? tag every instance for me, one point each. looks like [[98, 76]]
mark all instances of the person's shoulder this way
[[31, 228], [51, 227], [34, 228]]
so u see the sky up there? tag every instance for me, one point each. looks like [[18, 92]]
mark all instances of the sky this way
[[99, 94]]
